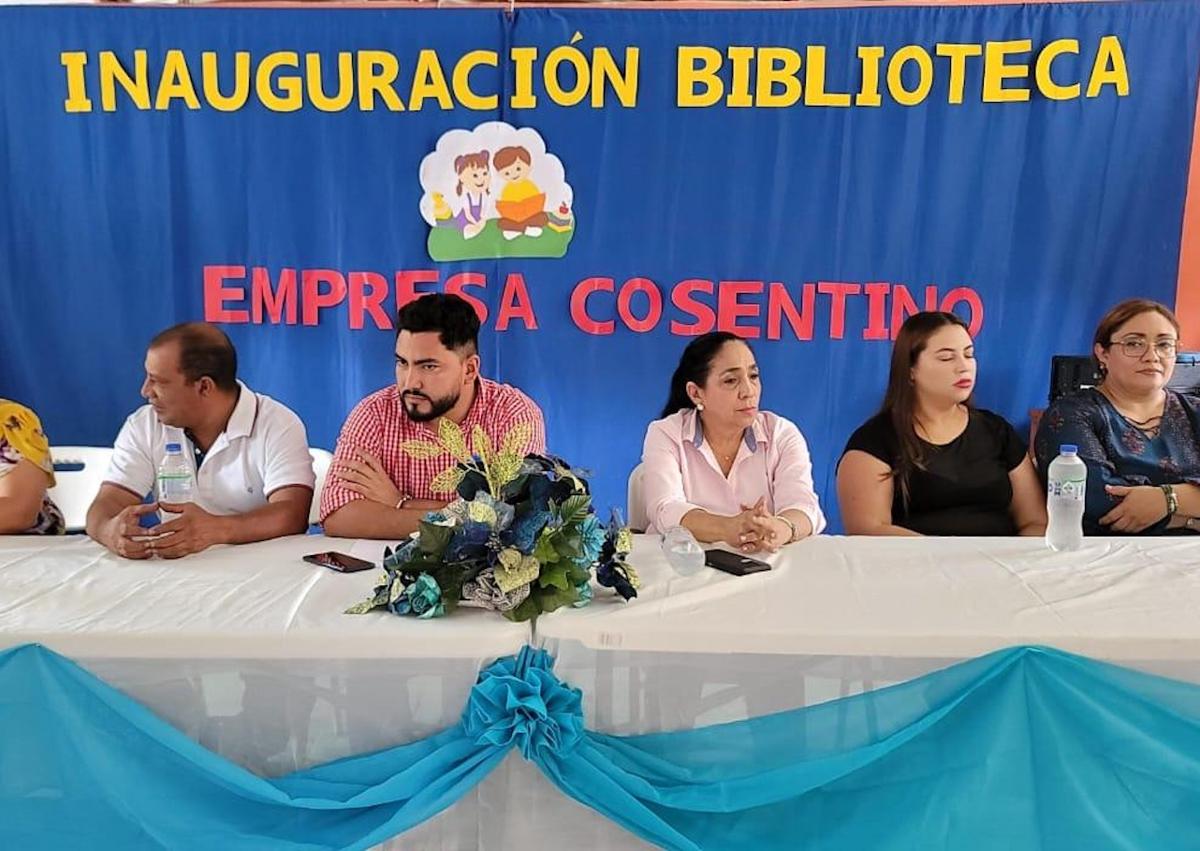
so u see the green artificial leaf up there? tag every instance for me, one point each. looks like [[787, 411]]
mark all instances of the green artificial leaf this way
[[569, 545], [549, 599], [574, 509], [544, 550], [378, 601], [434, 538], [528, 610], [577, 575], [362, 608], [554, 576], [525, 571]]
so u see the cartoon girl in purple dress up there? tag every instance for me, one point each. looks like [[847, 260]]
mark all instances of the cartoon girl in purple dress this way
[[474, 181]]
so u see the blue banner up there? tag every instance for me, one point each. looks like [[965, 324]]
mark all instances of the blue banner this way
[[602, 183]]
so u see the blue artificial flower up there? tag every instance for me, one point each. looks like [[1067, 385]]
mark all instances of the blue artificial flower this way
[[611, 574], [468, 542], [425, 597], [585, 595], [540, 489], [472, 483], [504, 516], [397, 559], [591, 535], [398, 602], [522, 535], [484, 508]]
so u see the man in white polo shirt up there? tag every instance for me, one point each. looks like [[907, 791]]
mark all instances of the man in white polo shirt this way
[[249, 453]]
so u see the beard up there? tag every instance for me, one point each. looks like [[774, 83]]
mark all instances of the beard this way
[[437, 407]]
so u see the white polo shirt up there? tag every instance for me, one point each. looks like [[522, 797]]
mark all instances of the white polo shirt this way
[[264, 448]]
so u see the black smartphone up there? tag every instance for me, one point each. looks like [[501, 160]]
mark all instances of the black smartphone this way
[[339, 562], [735, 563]]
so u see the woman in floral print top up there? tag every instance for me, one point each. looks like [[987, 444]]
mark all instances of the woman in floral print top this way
[[1139, 439], [26, 471]]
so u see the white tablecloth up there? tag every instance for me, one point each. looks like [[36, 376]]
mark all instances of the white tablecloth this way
[[258, 601], [247, 650], [917, 597], [837, 616]]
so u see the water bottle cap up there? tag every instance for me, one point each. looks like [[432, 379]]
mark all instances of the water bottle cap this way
[[174, 448], [1069, 449]]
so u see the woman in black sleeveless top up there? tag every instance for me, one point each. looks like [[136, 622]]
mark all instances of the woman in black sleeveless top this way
[[929, 463]]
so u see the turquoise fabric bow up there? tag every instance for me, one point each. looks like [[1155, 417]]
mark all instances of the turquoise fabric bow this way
[[519, 701]]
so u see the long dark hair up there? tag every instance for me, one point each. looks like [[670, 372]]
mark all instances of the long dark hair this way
[[694, 365], [900, 401]]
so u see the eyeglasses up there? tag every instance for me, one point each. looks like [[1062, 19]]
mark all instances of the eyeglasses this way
[[1136, 347]]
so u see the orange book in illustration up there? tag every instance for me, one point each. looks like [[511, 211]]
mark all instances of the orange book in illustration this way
[[523, 210]]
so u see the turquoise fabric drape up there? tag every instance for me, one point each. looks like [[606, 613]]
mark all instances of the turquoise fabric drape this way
[[83, 766], [1027, 748]]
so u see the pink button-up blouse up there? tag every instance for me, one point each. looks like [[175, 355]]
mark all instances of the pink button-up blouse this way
[[680, 471]]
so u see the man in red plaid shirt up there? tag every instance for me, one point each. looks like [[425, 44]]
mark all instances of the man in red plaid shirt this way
[[374, 489]]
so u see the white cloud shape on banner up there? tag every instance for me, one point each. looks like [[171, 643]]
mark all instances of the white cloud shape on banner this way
[[438, 175]]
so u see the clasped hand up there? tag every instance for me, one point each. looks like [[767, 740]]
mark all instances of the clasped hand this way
[[753, 530]]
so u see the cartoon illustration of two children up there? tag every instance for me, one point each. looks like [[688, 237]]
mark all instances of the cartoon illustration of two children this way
[[521, 205]]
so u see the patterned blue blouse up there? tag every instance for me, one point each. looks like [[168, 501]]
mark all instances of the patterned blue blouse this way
[[1117, 453]]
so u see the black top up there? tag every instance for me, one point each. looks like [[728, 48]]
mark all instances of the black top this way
[[964, 489]]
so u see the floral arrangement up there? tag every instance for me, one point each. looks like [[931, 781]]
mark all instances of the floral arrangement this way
[[520, 538]]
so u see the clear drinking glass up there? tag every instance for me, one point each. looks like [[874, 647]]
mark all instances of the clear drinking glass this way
[[683, 551]]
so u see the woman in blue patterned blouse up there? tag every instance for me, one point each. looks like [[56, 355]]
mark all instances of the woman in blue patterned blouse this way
[[1140, 440]]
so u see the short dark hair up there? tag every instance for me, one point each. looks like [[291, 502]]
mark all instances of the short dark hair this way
[[203, 350], [1126, 310], [450, 315]]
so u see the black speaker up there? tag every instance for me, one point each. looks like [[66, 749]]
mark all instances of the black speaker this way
[[1070, 374]]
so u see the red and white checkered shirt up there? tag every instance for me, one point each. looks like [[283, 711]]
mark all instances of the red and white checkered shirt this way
[[379, 425]]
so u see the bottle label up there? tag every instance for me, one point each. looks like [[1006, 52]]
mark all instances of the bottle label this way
[[1067, 488]]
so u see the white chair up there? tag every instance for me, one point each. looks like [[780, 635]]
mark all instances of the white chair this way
[[75, 489], [635, 502], [321, 459]]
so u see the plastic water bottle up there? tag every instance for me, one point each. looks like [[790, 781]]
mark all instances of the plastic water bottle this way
[[683, 551], [1065, 492], [175, 480]]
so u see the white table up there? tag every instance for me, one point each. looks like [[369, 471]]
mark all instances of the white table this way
[[259, 601], [247, 650], [840, 615], [949, 597]]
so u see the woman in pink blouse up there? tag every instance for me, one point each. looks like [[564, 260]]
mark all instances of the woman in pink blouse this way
[[719, 466]]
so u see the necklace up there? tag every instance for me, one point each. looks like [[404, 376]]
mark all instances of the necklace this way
[[1149, 426], [726, 457]]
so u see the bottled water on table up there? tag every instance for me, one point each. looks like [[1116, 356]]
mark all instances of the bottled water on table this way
[[683, 551], [1065, 491], [175, 480]]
